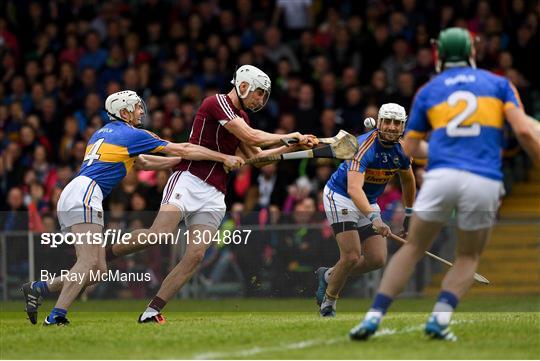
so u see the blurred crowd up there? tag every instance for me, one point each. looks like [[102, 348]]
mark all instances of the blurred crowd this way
[[332, 63]]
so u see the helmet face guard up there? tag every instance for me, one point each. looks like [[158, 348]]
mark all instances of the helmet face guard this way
[[387, 137], [256, 80], [257, 85], [144, 119], [389, 114]]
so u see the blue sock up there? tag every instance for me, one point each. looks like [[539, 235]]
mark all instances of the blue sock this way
[[381, 303], [56, 312], [448, 298], [41, 287]]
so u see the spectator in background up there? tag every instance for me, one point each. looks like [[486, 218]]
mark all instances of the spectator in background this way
[[95, 56], [15, 215], [306, 111], [352, 110], [276, 50], [399, 61], [376, 92], [92, 106], [405, 90], [330, 96], [297, 15], [424, 69], [271, 187], [328, 124]]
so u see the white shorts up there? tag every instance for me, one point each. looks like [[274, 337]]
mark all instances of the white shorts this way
[[475, 198], [80, 202], [199, 202], [342, 209]]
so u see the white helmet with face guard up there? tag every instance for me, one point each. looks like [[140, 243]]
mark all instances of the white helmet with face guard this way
[[256, 79], [128, 100], [389, 115]]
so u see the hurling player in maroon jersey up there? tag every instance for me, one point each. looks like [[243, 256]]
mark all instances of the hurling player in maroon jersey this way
[[195, 191]]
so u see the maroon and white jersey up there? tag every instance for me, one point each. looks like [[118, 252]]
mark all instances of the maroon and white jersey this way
[[208, 131]]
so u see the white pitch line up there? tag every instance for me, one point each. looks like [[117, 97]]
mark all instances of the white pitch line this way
[[258, 350], [304, 344]]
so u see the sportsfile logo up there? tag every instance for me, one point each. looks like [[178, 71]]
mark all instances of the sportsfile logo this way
[[116, 236]]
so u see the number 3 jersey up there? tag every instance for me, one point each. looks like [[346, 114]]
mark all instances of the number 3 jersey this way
[[111, 152], [464, 110], [378, 163]]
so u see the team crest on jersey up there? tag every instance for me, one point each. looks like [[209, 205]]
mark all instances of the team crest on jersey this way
[[100, 214], [396, 161], [177, 196], [344, 211]]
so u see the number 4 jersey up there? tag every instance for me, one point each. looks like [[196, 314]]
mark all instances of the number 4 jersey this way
[[464, 110], [111, 152]]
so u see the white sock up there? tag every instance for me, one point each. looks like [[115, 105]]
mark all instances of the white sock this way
[[373, 313], [442, 313], [149, 312], [327, 274], [328, 302]]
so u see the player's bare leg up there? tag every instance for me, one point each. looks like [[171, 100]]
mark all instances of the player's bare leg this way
[[470, 246], [200, 238], [372, 257], [397, 273], [457, 281], [401, 266], [166, 222], [190, 260], [374, 254], [90, 258], [349, 258], [34, 291]]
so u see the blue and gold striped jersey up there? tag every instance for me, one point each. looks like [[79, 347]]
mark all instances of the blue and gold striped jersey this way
[[464, 110], [378, 163], [111, 152]]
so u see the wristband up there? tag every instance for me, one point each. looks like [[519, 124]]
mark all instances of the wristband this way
[[408, 211]]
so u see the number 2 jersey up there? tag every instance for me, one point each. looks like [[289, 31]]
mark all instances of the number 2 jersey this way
[[464, 110], [378, 163], [111, 152]]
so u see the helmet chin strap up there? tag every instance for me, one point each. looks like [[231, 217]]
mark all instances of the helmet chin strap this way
[[384, 141], [387, 142]]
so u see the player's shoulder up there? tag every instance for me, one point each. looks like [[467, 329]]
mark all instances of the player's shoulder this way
[[367, 137], [109, 130], [218, 104], [366, 144]]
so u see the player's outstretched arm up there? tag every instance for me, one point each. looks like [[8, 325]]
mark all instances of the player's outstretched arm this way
[[521, 125], [355, 184], [197, 152], [155, 162], [408, 186], [259, 138]]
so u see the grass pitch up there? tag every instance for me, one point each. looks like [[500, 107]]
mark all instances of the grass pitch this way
[[492, 328]]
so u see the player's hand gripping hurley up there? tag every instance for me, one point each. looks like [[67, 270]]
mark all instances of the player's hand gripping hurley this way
[[342, 146]]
